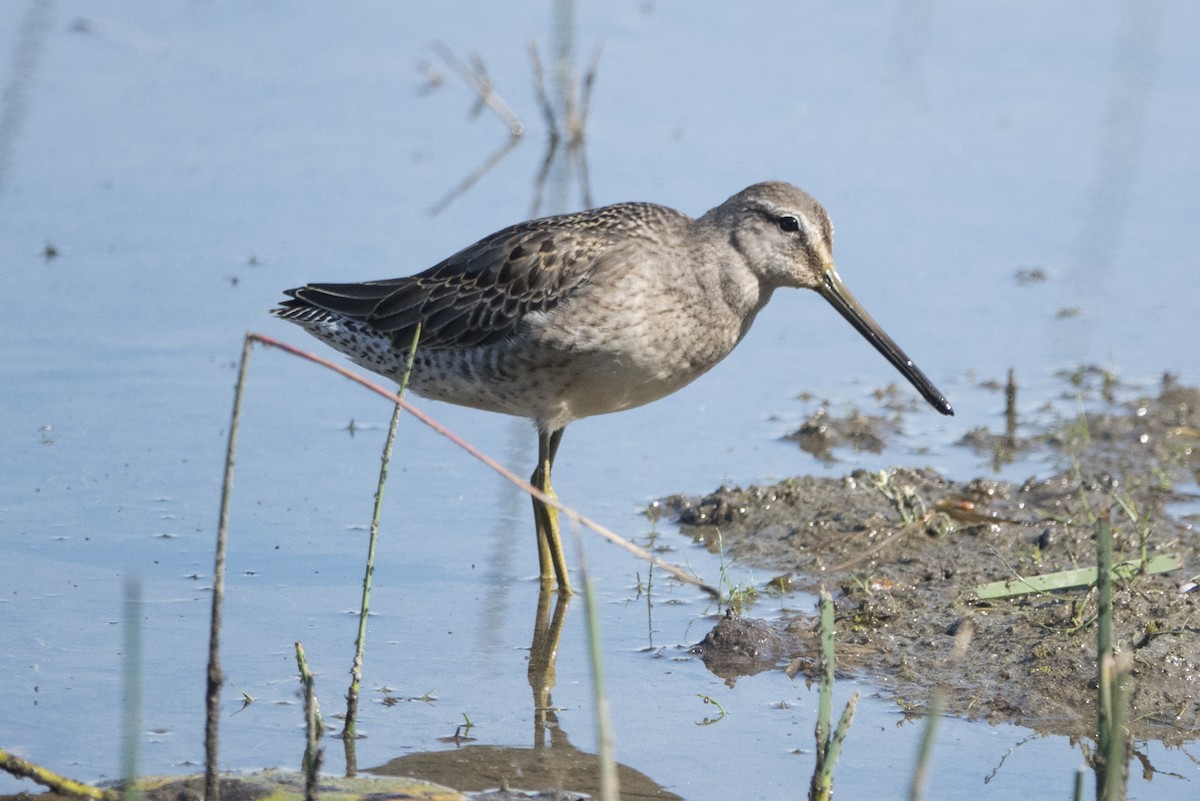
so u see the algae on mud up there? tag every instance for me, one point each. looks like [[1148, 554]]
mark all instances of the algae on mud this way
[[906, 548]]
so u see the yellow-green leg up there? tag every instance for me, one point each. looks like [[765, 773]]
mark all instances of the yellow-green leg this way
[[552, 561]]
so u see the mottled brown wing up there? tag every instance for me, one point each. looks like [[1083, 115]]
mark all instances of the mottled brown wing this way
[[477, 296]]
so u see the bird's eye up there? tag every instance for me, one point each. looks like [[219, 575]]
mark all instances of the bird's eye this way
[[789, 224]]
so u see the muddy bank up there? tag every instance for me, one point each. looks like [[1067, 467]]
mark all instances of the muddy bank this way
[[903, 551]]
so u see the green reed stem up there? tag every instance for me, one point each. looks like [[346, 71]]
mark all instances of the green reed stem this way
[[350, 729], [609, 786], [1112, 676], [933, 715], [314, 728], [829, 747], [828, 671]]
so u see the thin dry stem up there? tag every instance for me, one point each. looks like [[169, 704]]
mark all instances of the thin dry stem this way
[[571, 515]]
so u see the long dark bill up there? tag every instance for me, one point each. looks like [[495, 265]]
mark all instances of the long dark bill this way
[[834, 291]]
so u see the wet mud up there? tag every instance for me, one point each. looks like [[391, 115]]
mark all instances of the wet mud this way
[[904, 551]]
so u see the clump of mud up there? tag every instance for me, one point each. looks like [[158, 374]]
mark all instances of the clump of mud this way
[[905, 550], [823, 432], [742, 646]]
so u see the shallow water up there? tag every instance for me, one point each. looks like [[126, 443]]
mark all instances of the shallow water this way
[[186, 162]]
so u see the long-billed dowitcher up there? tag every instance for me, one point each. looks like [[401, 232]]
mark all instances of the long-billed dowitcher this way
[[565, 317]]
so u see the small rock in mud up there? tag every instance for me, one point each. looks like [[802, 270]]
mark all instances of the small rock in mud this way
[[741, 646]]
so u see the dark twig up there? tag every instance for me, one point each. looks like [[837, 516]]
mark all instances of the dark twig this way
[[212, 787]]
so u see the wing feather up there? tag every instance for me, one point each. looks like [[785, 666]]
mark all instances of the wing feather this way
[[481, 294]]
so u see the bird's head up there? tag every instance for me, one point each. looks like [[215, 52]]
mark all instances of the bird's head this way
[[786, 239]]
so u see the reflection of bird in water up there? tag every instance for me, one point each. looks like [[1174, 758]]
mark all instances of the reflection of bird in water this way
[[565, 317]]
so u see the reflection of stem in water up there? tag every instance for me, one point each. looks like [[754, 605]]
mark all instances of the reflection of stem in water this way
[[720, 710], [566, 119], [477, 78], [1010, 409], [650, 595], [32, 33], [1004, 449], [573, 101]]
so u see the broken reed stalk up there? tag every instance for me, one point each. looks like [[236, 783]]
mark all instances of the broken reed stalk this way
[[24, 769], [132, 723], [1010, 409], [1110, 782], [609, 785], [825, 696], [349, 730], [829, 747], [314, 727], [839, 734], [1112, 674], [1104, 712], [212, 788], [569, 513]]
